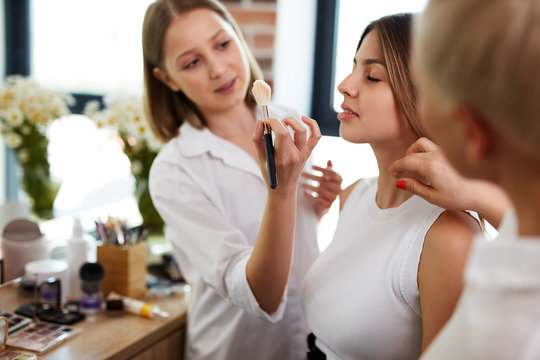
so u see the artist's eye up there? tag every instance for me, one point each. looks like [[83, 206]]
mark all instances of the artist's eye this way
[[191, 64], [224, 44], [370, 78]]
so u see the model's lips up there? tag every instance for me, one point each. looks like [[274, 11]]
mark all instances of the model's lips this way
[[226, 87], [347, 113]]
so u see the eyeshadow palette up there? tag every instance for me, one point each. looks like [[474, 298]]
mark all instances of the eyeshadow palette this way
[[15, 322], [16, 355], [40, 336]]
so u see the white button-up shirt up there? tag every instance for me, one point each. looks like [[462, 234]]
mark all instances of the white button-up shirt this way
[[211, 195], [498, 314]]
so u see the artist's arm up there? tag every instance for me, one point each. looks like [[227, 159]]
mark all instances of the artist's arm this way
[[440, 272], [425, 171], [269, 264], [323, 194]]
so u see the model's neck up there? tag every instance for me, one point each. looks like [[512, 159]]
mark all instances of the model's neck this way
[[388, 196]]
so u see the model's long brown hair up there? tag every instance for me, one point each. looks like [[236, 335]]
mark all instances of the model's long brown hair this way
[[166, 109], [394, 37]]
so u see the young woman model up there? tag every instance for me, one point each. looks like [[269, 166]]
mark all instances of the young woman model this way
[[391, 277], [207, 186], [481, 106]]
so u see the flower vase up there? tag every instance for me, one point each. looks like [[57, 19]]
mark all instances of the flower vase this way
[[149, 214], [40, 189], [33, 158]]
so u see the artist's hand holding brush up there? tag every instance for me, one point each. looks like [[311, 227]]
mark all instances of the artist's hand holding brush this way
[[270, 262], [290, 152]]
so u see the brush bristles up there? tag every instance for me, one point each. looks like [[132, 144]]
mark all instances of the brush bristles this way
[[261, 92]]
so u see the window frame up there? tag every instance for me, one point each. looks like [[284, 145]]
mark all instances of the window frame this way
[[322, 108]]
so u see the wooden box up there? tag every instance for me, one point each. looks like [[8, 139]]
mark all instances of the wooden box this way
[[125, 269]]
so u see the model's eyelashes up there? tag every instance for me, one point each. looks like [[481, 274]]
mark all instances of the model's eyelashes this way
[[371, 78]]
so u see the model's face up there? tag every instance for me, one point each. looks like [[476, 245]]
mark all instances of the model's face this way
[[203, 58], [370, 112]]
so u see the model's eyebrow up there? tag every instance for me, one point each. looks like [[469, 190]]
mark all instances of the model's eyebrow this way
[[187, 52], [373, 61], [366, 62]]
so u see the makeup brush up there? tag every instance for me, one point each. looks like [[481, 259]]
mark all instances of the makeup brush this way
[[261, 92]]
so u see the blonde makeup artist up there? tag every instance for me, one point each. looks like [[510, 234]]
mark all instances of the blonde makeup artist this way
[[207, 185]]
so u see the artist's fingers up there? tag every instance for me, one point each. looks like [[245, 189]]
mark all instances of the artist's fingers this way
[[300, 132], [315, 132], [418, 188], [277, 127], [412, 166], [422, 145], [324, 192], [258, 139]]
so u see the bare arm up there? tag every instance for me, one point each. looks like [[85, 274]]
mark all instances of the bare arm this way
[[269, 264], [440, 272], [424, 171]]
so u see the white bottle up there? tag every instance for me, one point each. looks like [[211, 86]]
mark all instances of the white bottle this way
[[77, 254]]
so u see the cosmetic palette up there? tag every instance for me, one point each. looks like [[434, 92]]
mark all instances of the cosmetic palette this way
[[15, 322], [40, 336]]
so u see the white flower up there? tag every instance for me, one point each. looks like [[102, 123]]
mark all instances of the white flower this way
[[13, 117], [23, 155], [26, 130], [91, 108], [136, 167], [13, 140]]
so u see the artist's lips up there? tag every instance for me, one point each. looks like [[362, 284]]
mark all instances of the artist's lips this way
[[227, 87], [347, 113]]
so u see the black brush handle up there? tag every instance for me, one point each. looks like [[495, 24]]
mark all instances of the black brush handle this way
[[270, 163]]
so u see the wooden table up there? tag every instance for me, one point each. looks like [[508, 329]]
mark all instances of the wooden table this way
[[125, 337]]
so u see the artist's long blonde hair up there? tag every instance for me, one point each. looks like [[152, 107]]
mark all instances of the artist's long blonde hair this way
[[167, 110], [485, 54]]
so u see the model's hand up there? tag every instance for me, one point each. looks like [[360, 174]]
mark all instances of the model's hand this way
[[323, 194], [290, 152], [426, 172]]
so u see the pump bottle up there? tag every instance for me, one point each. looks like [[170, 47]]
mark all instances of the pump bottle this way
[[77, 253]]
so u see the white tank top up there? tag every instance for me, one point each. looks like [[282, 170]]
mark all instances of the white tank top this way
[[361, 297]]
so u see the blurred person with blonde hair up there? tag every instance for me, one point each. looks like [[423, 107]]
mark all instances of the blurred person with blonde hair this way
[[477, 66]]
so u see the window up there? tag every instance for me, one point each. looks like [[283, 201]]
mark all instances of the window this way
[[88, 49]]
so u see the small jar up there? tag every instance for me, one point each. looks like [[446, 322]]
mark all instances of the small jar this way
[[91, 275]]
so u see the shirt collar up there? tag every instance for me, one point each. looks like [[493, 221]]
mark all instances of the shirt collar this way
[[197, 142]]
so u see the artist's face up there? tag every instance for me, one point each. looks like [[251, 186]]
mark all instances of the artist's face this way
[[203, 58], [370, 111]]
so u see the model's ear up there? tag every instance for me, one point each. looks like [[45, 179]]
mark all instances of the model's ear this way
[[165, 78], [478, 138]]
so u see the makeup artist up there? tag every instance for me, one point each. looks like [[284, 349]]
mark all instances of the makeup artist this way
[[208, 186]]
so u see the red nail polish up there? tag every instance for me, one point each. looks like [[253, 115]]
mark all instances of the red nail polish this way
[[401, 184]]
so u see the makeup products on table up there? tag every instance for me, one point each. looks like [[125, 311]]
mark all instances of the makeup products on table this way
[[15, 321], [40, 336], [139, 307], [262, 92]]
